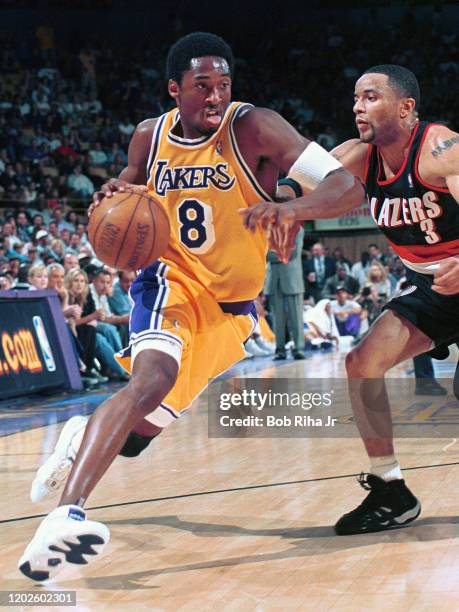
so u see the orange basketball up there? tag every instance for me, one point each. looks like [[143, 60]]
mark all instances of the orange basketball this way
[[129, 231]]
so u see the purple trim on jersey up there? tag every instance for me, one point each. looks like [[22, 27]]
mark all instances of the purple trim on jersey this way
[[156, 137], [153, 333], [194, 142], [162, 293], [176, 416], [242, 163], [237, 308], [147, 292]]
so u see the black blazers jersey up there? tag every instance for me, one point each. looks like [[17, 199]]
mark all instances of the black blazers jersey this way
[[420, 221]]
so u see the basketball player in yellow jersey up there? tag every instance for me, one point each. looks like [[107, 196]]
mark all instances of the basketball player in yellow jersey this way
[[192, 309]]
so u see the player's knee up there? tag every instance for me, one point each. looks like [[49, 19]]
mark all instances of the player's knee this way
[[356, 366], [148, 390], [360, 365]]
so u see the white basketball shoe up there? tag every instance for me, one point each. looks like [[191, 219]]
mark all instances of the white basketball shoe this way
[[253, 349], [51, 476], [64, 536]]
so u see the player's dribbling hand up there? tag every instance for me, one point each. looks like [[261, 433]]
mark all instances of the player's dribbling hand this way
[[446, 277], [268, 213], [109, 188], [281, 240], [279, 220]]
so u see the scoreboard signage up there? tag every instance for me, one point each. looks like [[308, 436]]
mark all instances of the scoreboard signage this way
[[358, 218]]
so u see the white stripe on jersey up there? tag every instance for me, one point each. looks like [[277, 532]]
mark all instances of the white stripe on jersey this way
[[428, 267]]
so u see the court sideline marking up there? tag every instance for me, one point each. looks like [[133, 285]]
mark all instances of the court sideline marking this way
[[230, 490]]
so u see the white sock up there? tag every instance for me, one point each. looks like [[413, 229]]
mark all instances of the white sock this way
[[387, 468]]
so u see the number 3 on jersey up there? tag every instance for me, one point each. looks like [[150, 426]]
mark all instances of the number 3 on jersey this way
[[196, 228]]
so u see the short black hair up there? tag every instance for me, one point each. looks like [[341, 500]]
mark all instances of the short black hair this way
[[401, 80], [98, 271], [197, 44]]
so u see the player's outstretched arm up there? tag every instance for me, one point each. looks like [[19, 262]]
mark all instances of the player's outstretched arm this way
[[333, 189], [338, 190], [442, 160], [134, 176], [352, 154]]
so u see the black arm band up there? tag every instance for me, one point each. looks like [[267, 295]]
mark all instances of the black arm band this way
[[293, 184]]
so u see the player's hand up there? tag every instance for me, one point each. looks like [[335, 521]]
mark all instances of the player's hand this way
[[446, 277], [108, 189], [266, 214], [282, 240]]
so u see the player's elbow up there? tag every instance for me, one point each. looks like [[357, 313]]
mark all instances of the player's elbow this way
[[351, 190]]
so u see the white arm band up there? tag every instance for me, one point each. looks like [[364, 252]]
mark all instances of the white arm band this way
[[313, 165]]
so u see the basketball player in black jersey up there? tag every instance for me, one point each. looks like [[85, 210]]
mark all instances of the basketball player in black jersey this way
[[411, 172]]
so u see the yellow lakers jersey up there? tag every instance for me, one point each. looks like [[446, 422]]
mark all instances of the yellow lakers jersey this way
[[202, 183]]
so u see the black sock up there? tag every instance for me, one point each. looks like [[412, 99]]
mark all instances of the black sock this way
[[135, 444]]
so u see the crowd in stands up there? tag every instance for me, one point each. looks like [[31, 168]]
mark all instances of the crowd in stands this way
[[67, 115], [342, 298]]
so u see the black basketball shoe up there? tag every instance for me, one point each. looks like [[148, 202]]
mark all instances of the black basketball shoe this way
[[388, 505]]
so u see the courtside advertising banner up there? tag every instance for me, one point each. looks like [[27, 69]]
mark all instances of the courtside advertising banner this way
[[31, 345]]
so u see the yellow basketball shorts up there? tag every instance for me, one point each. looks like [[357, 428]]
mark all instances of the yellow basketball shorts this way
[[176, 315]]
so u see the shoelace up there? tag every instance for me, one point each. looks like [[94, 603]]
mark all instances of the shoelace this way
[[363, 481], [60, 472], [369, 483]]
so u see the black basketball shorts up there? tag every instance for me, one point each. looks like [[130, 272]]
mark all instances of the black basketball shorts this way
[[434, 314]]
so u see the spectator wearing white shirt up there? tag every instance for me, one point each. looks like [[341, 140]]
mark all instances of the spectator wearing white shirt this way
[[347, 313], [80, 184], [41, 241], [360, 269], [75, 244], [47, 72], [38, 277], [94, 105], [55, 142], [126, 129], [24, 107], [42, 104], [9, 232], [60, 221], [100, 288], [320, 326], [65, 107], [97, 155]]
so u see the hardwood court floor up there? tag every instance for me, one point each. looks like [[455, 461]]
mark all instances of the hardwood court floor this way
[[246, 524]]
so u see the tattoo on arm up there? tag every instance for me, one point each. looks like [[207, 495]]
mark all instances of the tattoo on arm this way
[[446, 144]]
